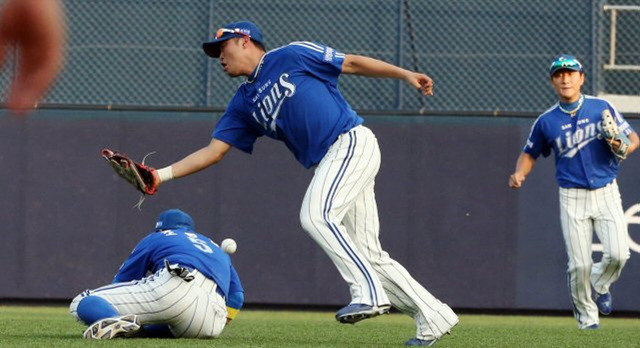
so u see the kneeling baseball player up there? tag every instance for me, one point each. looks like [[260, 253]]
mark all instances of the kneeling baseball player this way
[[590, 138], [193, 290]]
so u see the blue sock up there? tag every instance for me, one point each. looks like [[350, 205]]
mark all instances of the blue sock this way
[[157, 331], [94, 308]]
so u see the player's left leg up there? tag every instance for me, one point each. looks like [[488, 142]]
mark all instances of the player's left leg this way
[[433, 318], [576, 212], [611, 228]]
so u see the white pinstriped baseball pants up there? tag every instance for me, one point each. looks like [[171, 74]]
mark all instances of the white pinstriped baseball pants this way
[[339, 212], [191, 309], [582, 212]]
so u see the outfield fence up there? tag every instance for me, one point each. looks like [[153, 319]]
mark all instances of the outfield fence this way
[[485, 56]]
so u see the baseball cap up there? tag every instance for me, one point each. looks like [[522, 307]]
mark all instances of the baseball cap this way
[[173, 219], [229, 31], [565, 61]]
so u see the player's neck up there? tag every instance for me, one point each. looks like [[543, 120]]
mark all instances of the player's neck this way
[[256, 62], [572, 105]]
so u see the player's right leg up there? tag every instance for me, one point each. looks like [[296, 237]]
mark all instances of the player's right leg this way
[[350, 165], [577, 230], [433, 318]]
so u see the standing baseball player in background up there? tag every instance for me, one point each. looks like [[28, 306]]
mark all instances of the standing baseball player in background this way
[[292, 95], [192, 292], [590, 138]]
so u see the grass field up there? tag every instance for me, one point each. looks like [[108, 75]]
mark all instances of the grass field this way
[[53, 327]]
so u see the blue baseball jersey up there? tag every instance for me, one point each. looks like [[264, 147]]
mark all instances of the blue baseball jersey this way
[[292, 96], [583, 157], [188, 249]]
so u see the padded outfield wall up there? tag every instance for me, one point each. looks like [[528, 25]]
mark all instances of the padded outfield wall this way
[[446, 211]]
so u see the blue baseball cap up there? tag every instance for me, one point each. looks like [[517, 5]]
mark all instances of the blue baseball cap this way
[[565, 61], [174, 219], [229, 31]]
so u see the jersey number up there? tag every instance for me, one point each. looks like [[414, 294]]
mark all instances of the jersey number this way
[[199, 243]]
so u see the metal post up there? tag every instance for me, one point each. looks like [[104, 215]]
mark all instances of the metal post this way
[[612, 51], [399, 60], [594, 46], [209, 62], [614, 28]]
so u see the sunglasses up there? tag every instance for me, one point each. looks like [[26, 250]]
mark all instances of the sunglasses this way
[[223, 31], [569, 63]]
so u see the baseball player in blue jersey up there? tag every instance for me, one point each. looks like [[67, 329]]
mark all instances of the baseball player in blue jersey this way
[[192, 291], [589, 138], [292, 95]]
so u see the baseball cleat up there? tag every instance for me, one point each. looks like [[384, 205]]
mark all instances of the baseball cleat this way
[[419, 342], [109, 328], [356, 312], [592, 327], [604, 303], [428, 343]]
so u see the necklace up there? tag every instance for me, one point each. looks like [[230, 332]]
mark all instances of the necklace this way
[[575, 110]]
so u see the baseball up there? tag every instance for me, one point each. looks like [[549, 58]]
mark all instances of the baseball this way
[[229, 246]]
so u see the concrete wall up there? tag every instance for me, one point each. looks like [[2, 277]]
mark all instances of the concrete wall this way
[[446, 211]]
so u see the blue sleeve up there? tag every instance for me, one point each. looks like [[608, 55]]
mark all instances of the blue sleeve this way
[[136, 265], [235, 298], [321, 61], [623, 125], [537, 143], [233, 129]]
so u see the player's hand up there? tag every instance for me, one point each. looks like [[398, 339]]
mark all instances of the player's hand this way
[[36, 29], [516, 180], [421, 82], [615, 144]]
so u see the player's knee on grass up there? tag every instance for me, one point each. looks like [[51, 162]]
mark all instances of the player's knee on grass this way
[[94, 308]]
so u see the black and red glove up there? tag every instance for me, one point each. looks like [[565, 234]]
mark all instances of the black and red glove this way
[[142, 177]]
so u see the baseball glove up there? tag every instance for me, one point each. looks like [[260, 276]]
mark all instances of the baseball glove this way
[[142, 177], [617, 140]]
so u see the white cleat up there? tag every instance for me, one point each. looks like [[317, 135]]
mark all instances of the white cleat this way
[[105, 329]]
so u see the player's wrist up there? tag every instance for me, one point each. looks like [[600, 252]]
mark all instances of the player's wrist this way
[[165, 174]]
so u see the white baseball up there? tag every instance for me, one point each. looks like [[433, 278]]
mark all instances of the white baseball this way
[[229, 246]]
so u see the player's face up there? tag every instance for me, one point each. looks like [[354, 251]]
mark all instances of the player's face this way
[[568, 84], [232, 57]]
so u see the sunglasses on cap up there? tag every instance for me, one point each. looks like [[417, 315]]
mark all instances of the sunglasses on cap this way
[[565, 62], [568, 63], [223, 31]]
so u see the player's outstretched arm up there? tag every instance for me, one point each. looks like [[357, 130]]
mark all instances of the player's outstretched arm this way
[[524, 166], [195, 162], [37, 29], [367, 66]]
